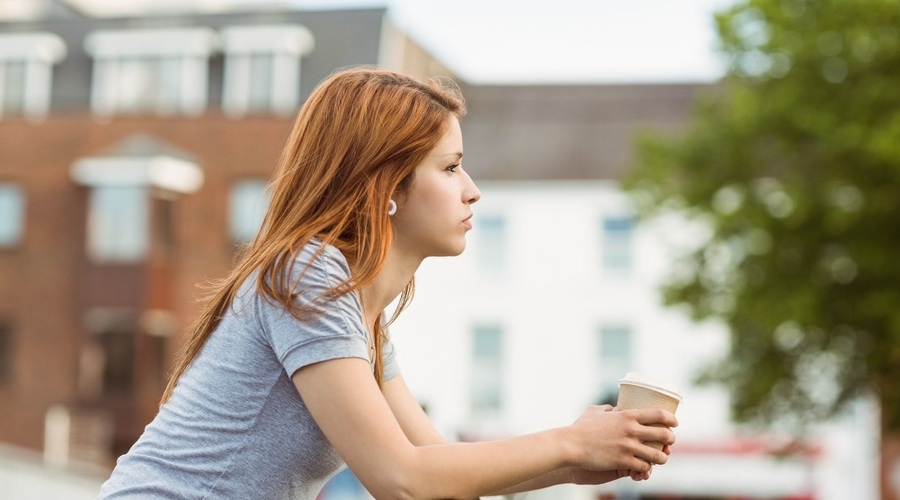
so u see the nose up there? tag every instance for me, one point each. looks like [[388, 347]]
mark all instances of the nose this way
[[471, 194]]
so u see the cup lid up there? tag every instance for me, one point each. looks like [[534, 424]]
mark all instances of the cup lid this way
[[641, 380]]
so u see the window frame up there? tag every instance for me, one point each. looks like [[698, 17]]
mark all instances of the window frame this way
[[612, 367], [7, 351], [493, 363], [128, 52], [20, 211], [237, 215], [37, 52], [284, 45], [492, 237], [617, 245]]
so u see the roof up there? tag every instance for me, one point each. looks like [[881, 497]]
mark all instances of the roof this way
[[536, 132]]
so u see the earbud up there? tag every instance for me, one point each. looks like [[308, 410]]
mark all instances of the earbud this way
[[392, 207]]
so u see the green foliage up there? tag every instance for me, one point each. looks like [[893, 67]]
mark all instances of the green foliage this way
[[793, 161]]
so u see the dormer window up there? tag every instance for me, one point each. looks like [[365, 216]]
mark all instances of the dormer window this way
[[26, 72], [262, 68], [119, 204], [160, 71]]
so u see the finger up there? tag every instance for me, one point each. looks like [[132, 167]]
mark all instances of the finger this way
[[653, 434], [656, 416], [657, 457], [650, 456], [640, 476], [639, 464], [660, 435]]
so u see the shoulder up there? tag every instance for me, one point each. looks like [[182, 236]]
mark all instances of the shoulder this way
[[319, 274], [317, 255]]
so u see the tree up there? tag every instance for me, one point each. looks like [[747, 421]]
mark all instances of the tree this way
[[792, 162]]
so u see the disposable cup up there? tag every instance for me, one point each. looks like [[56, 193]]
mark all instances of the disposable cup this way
[[638, 391]]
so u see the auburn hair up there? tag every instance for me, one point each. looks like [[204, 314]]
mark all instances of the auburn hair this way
[[355, 142]]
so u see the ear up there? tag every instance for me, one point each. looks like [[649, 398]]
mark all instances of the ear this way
[[401, 194]]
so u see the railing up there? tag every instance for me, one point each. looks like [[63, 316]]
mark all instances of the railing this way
[[25, 476]]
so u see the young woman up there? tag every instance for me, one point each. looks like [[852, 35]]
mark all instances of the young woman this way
[[289, 373]]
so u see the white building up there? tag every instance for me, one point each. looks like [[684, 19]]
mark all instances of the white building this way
[[554, 300]]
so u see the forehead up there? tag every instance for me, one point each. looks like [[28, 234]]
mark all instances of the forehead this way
[[450, 144]]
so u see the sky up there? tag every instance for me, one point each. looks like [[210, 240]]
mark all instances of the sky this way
[[561, 41], [534, 41]]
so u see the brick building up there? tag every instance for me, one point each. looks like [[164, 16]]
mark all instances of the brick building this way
[[130, 151], [133, 158]]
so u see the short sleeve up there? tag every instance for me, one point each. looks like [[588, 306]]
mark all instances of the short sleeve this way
[[335, 331], [389, 361]]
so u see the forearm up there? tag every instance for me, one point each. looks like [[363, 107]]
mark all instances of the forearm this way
[[565, 475], [466, 470], [552, 478]]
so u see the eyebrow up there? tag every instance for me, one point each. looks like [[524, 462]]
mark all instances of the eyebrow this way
[[456, 156]]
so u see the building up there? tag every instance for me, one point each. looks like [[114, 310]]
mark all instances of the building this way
[[554, 300], [123, 143], [134, 153]]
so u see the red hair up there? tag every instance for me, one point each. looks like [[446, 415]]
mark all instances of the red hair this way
[[355, 142]]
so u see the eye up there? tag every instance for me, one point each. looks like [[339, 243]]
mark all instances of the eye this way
[[452, 168]]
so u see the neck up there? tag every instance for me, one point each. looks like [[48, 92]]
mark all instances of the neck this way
[[397, 272]]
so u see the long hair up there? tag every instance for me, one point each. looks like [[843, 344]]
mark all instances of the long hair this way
[[355, 142]]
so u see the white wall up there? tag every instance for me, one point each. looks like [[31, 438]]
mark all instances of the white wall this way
[[551, 298]]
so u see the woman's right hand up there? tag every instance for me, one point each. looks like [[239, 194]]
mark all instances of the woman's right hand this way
[[609, 439]]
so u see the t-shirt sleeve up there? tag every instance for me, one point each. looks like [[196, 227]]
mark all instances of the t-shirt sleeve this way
[[389, 361], [335, 330]]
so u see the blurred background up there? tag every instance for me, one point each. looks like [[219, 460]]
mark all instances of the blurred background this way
[[703, 191]]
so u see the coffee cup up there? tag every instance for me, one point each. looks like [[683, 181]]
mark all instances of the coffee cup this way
[[638, 391]]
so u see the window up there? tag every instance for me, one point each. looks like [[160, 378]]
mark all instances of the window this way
[[487, 369], [164, 214], [262, 68], [162, 71], [26, 67], [156, 327], [6, 351], [12, 81], [117, 347], [119, 206], [248, 203], [616, 244], [12, 214], [491, 237], [108, 365], [118, 223], [615, 357]]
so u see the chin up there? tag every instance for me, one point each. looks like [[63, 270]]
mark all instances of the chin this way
[[451, 251]]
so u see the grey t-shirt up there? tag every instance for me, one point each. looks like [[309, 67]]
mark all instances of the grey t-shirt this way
[[235, 425]]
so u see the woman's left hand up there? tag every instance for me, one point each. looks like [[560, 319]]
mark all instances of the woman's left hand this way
[[585, 476]]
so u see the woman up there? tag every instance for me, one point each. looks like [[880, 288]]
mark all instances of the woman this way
[[289, 372]]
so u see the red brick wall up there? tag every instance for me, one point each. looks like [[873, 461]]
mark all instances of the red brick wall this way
[[43, 283]]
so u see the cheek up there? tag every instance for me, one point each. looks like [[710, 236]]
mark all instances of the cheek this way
[[423, 200]]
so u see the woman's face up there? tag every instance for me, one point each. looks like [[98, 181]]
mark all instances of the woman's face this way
[[434, 214]]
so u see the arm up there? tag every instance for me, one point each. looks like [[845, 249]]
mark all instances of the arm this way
[[357, 419], [420, 431], [409, 414]]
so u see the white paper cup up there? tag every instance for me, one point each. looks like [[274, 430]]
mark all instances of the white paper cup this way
[[638, 391]]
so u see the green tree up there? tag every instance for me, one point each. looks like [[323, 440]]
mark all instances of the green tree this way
[[792, 162]]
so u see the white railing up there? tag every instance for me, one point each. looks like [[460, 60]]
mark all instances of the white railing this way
[[25, 476]]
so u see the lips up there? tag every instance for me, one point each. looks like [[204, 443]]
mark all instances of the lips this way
[[468, 221]]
